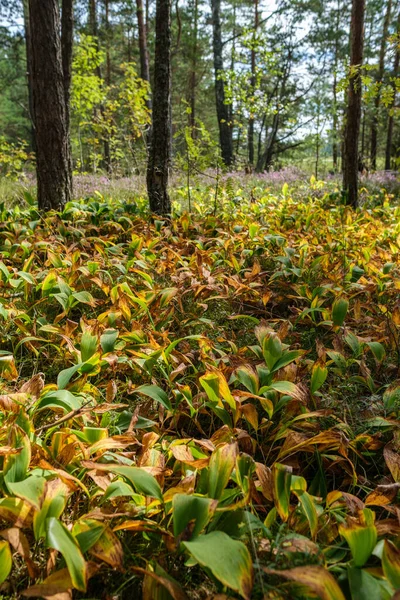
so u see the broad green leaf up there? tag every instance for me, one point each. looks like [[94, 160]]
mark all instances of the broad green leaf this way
[[281, 477], [229, 560], [377, 350], [16, 465], [287, 358], [339, 311], [84, 297], [216, 387], [5, 560], [120, 488], [64, 376], [142, 481], [248, 378], [391, 563], [59, 538], [88, 345], [363, 586], [60, 399], [222, 463], [156, 393], [360, 536], [191, 509], [319, 374], [272, 349], [87, 532], [309, 509], [108, 339], [30, 489]]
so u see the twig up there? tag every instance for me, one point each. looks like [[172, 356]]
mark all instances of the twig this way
[[66, 417]]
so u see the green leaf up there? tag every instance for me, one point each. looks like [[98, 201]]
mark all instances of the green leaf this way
[[248, 378], [187, 509], [287, 358], [339, 311], [281, 476], [272, 349], [60, 399], [31, 489], [391, 563], [108, 339], [64, 376], [363, 586], [360, 536], [83, 297], [59, 538], [142, 481], [5, 560], [319, 374], [156, 393], [88, 346], [87, 532], [16, 465], [221, 465], [377, 350], [227, 559], [309, 509]]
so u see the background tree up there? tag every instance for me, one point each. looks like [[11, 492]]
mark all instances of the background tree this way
[[53, 164], [160, 149], [353, 114]]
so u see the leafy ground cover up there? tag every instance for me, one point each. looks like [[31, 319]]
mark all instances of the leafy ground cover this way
[[206, 407]]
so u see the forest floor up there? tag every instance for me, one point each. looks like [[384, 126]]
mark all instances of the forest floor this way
[[206, 407]]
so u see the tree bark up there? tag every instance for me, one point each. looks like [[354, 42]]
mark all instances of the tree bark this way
[[381, 70], [390, 126], [160, 149], [335, 119], [67, 31], [225, 129], [143, 52], [352, 128], [52, 136], [250, 131], [193, 70], [28, 50]]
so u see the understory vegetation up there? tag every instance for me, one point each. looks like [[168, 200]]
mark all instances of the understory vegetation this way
[[204, 406]]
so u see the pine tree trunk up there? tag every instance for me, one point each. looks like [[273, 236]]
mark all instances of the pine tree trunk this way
[[160, 149], [67, 31], [193, 70], [250, 131], [225, 129], [28, 51], [143, 52], [352, 128], [52, 138], [381, 70], [389, 137], [335, 120]]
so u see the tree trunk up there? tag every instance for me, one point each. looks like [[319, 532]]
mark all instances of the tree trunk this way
[[352, 129], [225, 129], [107, 27], [334, 90], [52, 136], [92, 22], [67, 31], [389, 137], [28, 50], [250, 131], [381, 69], [144, 59], [193, 70], [160, 149]]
